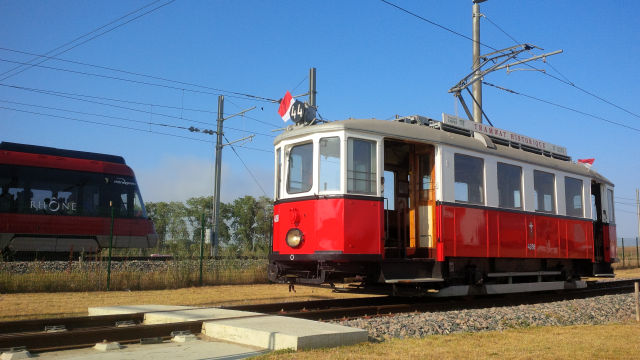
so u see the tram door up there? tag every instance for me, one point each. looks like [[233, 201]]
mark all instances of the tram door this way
[[598, 228], [410, 199], [421, 202]]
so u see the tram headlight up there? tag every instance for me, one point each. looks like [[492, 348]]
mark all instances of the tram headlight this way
[[294, 238]]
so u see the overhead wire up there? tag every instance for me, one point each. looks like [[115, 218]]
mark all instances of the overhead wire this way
[[129, 80], [29, 65], [94, 114], [493, 48], [103, 124], [240, 94], [562, 106], [126, 127], [245, 166], [565, 80], [132, 109], [111, 99]]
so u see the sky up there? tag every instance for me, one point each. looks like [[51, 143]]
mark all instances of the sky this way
[[372, 60]]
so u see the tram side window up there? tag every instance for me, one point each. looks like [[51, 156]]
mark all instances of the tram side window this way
[[300, 174], [573, 196], [361, 167], [125, 197], [329, 166], [509, 186], [544, 191], [278, 173], [469, 179], [610, 211], [6, 199]]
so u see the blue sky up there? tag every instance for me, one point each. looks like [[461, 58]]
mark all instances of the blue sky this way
[[372, 60]]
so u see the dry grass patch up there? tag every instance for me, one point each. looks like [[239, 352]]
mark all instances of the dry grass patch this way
[[43, 305], [614, 341], [627, 273]]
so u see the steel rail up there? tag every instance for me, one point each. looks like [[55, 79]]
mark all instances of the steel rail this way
[[81, 338], [86, 331]]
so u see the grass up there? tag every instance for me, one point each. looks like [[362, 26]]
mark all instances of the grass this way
[[613, 341], [93, 277], [630, 259], [66, 304]]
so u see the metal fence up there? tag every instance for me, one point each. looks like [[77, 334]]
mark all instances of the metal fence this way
[[628, 253]]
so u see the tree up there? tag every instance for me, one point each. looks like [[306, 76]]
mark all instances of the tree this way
[[169, 220]]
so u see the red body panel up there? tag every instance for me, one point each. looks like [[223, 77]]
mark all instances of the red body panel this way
[[72, 225], [64, 163], [477, 232], [350, 226], [610, 246]]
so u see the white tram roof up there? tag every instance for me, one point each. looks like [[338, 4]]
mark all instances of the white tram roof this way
[[423, 133]]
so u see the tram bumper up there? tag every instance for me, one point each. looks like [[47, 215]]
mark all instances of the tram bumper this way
[[315, 269]]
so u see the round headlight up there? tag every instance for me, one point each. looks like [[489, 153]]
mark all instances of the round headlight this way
[[294, 238]]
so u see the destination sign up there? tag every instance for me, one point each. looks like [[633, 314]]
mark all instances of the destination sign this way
[[461, 123]]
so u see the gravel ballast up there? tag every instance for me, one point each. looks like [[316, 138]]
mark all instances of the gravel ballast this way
[[595, 310]]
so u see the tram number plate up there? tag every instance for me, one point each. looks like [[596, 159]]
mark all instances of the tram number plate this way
[[297, 112], [531, 247]]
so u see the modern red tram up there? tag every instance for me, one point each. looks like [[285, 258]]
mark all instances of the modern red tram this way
[[435, 203], [55, 200]]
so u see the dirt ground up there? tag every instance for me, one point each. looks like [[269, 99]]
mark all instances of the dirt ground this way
[[44, 305]]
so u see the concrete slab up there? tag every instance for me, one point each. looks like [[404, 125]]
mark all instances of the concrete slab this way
[[15, 355], [279, 332], [195, 314], [107, 346], [132, 309], [194, 350]]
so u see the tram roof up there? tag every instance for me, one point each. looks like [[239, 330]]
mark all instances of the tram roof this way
[[422, 133]]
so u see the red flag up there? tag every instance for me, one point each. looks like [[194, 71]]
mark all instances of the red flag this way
[[587, 162], [285, 106]]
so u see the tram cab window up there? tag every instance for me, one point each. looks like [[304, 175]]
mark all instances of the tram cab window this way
[[469, 179], [544, 191], [278, 172], [300, 174], [610, 211], [329, 165], [509, 186], [573, 196], [361, 167]]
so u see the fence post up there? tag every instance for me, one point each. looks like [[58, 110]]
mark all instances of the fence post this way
[[635, 286], [110, 246], [623, 260], [637, 254], [201, 245]]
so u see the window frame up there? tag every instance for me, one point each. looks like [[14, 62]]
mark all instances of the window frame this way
[[376, 166], [341, 174], [289, 148], [483, 192], [536, 200], [611, 216], [520, 183], [278, 173], [568, 201]]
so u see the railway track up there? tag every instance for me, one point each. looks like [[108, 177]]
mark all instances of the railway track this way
[[78, 332]]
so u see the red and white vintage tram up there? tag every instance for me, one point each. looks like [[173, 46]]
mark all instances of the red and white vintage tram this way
[[435, 204], [60, 201]]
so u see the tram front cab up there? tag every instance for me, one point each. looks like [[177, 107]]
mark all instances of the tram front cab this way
[[328, 213]]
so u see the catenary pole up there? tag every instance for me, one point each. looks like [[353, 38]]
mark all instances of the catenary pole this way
[[216, 208], [312, 87], [477, 86]]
